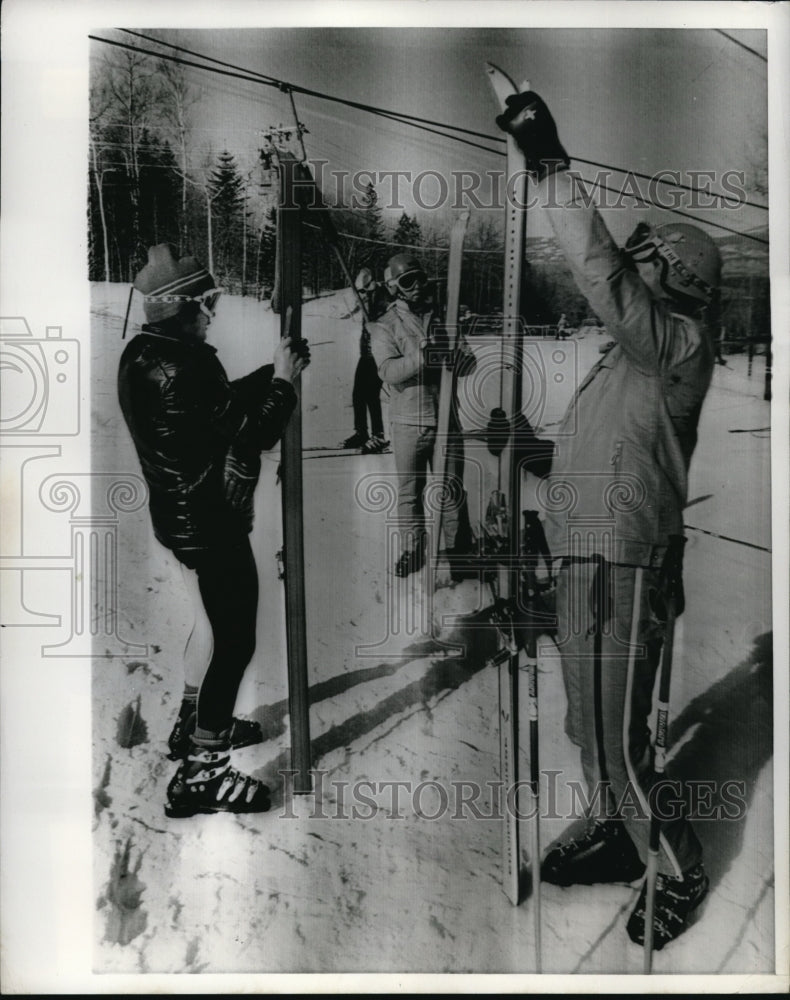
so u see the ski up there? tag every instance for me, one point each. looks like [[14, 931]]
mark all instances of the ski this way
[[340, 449], [342, 453], [447, 385], [289, 304], [500, 530]]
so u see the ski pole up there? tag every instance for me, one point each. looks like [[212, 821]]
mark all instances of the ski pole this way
[[535, 547], [673, 557], [126, 317], [534, 781]]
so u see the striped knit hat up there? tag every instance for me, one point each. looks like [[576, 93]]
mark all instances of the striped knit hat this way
[[165, 277]]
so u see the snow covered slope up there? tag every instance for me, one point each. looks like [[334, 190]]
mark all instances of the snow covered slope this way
[[313, 886]]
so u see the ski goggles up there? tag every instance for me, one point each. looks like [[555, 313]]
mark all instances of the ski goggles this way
[[409, 280], [645, 245], [206, 300]]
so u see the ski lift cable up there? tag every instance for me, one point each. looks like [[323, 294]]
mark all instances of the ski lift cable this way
[[393, 116], [737, 41], [415, 121]]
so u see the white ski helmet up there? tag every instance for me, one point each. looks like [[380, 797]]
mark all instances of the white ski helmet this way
[[690, 260]]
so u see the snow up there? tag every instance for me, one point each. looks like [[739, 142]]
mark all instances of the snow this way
[[309, 888]]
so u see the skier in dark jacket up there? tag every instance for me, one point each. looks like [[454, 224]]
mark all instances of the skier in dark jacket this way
[[614, 515], [199, 437], [366, 395]]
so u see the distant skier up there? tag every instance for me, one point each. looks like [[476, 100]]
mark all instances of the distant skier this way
[[199, 437], [407, 342], [619, 480], [366, 395]]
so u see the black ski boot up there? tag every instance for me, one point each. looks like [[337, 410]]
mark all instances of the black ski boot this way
[[601, 851], [356, 440], [676, 899], [206, 783], [243, 733]]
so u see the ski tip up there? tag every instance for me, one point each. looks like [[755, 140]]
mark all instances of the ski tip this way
[[503, 84]]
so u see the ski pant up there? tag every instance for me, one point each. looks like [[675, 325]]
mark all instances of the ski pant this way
[[413, 447], [366, 397], [610, 701], [225, 581]]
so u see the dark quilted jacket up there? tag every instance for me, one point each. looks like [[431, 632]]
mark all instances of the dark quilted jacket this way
[[184, 414]]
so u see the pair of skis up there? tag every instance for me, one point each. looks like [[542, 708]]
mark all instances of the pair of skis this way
[[516, 637]]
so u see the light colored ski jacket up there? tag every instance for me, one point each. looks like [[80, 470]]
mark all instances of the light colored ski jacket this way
[[619, 478], [413, 386]]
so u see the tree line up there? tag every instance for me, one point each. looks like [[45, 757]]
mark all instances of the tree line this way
[[152, 180]]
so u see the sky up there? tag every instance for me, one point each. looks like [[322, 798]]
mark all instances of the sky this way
[[641, 99]]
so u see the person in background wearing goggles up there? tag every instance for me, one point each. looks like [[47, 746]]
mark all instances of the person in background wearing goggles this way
[[366, 395], [622, 454], [199, 437], [410, 348]]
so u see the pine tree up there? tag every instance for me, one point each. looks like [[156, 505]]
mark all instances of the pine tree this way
[[407, 232], [374, 255], [159, 192], [226, 191]]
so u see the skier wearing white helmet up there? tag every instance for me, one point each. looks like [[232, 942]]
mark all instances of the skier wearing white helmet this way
[[407, 342], [614, 499]]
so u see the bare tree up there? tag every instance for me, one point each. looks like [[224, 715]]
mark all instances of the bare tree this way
[[99, 104], [128, 82], [177, 98]]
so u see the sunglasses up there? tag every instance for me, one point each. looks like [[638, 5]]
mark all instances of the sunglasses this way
[[409, 280]]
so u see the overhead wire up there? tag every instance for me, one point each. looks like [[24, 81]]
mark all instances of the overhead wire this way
[[412, 120], [737, 41], [423, 123]]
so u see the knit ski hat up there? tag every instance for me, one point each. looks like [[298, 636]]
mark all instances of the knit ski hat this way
[[167, 282]]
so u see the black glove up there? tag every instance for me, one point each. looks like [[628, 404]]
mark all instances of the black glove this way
[[241, 472], [530, 123], [302, 348]]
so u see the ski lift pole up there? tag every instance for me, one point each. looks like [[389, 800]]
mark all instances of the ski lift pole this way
[[290, 288]]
